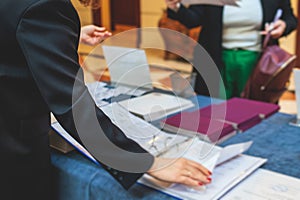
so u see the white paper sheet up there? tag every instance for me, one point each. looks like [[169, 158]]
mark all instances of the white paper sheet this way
[[265, 185], [233, 150], [100, 91], [297, 90], [148, 136], [234, 168], [128, 66], [211, 2], [154, 105], [224, 178], [61, 131]]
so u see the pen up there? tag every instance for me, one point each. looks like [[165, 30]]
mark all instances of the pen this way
[[276, 18]]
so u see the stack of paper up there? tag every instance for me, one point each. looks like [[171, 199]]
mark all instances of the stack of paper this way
[[145, 134], [154, 105], [227, 173], [228, 166]]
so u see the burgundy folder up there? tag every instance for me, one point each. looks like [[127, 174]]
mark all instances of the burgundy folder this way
[[192, 124], [241, 113], [217, 122]]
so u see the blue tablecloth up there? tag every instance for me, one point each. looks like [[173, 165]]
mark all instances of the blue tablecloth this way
[[75, 177]]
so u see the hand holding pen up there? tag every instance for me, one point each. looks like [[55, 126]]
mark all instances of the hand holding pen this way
[[275, 28]]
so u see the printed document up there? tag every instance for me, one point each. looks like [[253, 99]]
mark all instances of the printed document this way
[[145, 134], [264, 185], [100, 92], [224, 177], [228, 165], [155, 105]]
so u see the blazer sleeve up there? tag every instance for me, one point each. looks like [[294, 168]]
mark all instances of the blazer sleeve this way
[[190, 17], [48, 35], [288, 16]]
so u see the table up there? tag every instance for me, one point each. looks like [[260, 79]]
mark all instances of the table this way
[[75, 177]]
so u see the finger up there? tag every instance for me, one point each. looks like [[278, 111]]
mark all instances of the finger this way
[[107, 33], [102, 34], [267, 25], [277, 24], [100, 29], [189, 181], [99, 34], [271, 27], [200, 167], [263, 33], [197, 175], [276, 33]]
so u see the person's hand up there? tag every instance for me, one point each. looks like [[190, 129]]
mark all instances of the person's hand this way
[[181, 171], [173, 4], [93, 35], [276, 29]]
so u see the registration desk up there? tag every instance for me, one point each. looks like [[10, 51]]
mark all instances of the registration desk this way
[[75, 177]]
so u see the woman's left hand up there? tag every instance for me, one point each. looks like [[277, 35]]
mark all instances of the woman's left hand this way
[[93, 35], [276, 29]]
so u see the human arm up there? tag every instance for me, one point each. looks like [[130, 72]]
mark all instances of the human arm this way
[[190, 17], [48, 37], [286, 24], [93, 35], [48, 34], [173, 5]]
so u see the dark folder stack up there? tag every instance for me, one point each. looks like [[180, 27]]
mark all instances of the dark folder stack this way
[[217, 122]]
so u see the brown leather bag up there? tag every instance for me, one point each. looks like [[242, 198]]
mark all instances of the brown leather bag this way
[[271, 74]]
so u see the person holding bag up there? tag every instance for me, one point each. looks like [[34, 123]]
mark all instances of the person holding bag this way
[[268, 80], [233, 35]]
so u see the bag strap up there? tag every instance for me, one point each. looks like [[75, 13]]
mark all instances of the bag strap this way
[[266, 40]]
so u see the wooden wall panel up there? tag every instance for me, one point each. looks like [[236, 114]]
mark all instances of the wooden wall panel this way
[[125, 13]]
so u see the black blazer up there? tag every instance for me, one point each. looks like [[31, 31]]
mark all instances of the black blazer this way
[[211, 18], [38, 69]]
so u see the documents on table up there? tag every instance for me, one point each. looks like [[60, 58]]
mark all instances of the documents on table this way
[[211, 2], [225, 176], [100, 91], [145, 134], [264, 185], [231, 167], [61, 131], [155, 105]]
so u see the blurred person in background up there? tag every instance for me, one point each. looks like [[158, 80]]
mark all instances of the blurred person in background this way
[[233, 36]]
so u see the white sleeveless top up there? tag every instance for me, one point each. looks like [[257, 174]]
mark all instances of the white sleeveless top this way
[[242, 25]]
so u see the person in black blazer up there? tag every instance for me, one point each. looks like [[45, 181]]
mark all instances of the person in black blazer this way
[[210, 18], [39, 74]]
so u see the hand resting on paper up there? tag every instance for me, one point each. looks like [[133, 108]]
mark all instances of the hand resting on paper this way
[[181, 171]]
